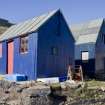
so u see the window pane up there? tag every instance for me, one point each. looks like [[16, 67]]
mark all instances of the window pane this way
[[85, 56], [54, 51], [24, 44]]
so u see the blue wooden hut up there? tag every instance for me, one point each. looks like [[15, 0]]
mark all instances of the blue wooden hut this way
[[39, 47], [90, 47]]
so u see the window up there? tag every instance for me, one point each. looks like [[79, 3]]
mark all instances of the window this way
[[54, 51], [85, 56], [0, 50], [24, 44]]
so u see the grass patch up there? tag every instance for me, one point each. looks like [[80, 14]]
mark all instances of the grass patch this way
[[94, 83]]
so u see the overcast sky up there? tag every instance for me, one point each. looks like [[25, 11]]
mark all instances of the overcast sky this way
[[75, 11]]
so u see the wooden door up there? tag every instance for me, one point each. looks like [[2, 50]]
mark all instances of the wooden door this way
[[10, 57]]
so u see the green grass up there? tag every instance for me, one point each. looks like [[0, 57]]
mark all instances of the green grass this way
[[95, 84]]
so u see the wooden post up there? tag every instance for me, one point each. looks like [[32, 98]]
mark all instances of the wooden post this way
[[69, 73], [81, 73]]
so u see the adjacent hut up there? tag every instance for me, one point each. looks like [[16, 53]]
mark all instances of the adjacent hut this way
[[39, 47], [90, 47]]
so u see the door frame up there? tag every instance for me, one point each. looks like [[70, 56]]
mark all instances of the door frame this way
[[9, 41]]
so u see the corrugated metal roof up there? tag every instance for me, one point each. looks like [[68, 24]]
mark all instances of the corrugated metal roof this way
[[27, 26], [86, 39], [87, 31], [3, 29]]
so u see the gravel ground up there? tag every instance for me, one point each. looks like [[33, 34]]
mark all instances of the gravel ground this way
[[33, 93]]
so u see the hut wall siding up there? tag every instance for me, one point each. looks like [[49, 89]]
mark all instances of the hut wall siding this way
[[100, 51], [26, 63], [90, 47], [54, 33], [68, 41], [88, 67], [3, 59]]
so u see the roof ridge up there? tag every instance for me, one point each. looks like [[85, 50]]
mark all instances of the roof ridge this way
[[87, 21]]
